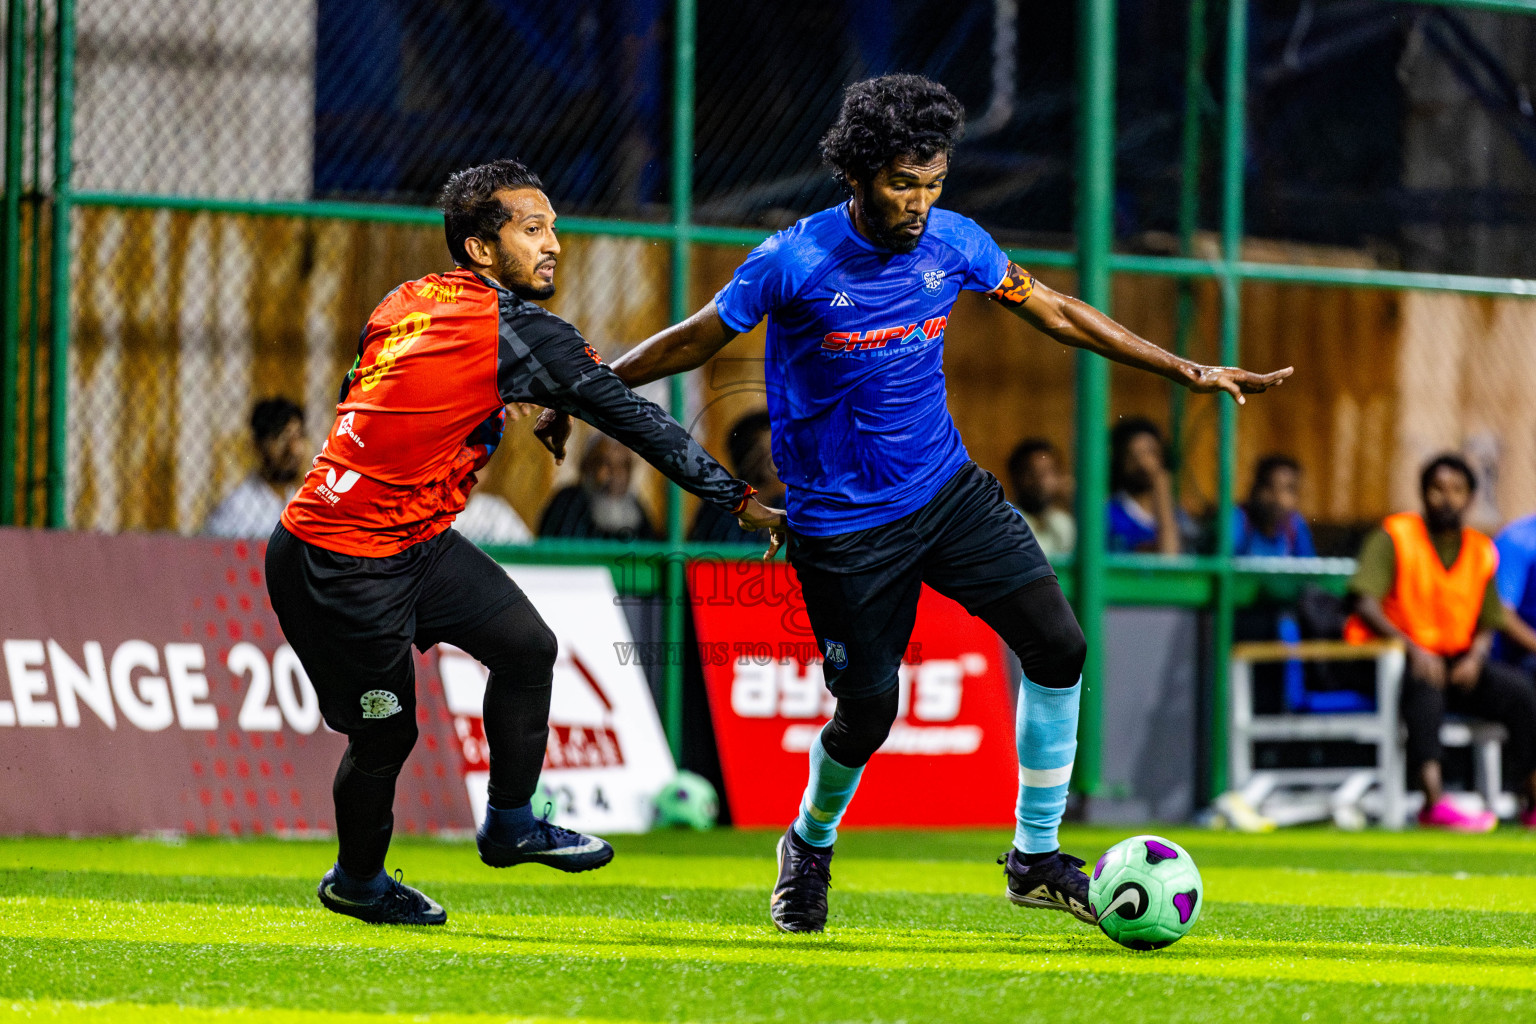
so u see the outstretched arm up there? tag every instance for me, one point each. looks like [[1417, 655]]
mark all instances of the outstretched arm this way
[[1074, 322], [677, 349], [561, 372]]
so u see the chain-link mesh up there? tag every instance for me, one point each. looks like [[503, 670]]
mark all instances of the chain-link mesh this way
[[1430, 163], [183, 320], [770, 79], [30, 387]]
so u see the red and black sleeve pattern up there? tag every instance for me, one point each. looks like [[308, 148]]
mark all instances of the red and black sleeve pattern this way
[[1015, 288], [544, 360]]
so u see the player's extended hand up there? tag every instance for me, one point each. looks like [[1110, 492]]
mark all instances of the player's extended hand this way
[[1236, 381], [553, 429], [757, 516], [1465, 672]]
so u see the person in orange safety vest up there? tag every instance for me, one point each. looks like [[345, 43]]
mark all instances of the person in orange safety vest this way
[[1428, 580]]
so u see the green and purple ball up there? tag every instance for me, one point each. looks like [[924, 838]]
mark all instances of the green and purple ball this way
[[1146, 892]]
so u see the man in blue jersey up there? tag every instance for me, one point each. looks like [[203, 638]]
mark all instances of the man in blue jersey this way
[[882, 496]]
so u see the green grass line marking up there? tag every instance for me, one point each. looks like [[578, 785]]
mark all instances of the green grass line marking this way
[[601, 938], [65, 1012]]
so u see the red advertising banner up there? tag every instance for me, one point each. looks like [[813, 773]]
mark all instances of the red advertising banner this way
[[950, 759], [145, 687]]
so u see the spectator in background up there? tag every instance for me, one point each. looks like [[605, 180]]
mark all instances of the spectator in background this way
[[282, 450], [1142, 512], [1428, 580], [751, 454], [1269, 523], [599, 505], [1039, 486], [490, 519]]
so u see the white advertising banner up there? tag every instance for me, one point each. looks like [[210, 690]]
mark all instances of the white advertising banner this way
[[607, 756]]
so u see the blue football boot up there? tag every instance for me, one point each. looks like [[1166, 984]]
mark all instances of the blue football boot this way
[[506, 839], [383, 900]]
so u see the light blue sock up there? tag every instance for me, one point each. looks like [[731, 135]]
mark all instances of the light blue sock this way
[[1046, 734], [827, 796]]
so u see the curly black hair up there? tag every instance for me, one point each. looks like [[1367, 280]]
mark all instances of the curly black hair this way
[[470, 208], [888, 117]]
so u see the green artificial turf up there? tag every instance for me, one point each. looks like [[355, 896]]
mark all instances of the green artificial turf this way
[[1300, 925]]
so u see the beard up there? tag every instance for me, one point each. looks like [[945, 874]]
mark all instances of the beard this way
[[509, 274], [1442, 520], [891, 237], [901, 242]]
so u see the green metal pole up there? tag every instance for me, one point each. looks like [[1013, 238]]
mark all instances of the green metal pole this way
[[1234, 127], [1189, 215], [58, 289], [682, 202], [10, 253], [1095, 229], [34, 273]]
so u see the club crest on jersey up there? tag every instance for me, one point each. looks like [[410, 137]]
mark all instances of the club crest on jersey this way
[[880, 337], [380, 704], [933, 280], [837, 654]]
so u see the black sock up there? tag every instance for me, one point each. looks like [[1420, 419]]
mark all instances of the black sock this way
[[1031, 859], [365, 818]]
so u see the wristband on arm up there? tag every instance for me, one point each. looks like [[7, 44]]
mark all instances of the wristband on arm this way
[[741, 506]]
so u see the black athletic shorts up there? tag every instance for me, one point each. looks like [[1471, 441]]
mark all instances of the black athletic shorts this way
[[861, 588], [352, 620]]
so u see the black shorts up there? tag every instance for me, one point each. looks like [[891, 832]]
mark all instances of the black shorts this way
[[861, 588], [352, 620]]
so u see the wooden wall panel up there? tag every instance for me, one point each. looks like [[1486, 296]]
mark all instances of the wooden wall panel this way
[[182, 321]]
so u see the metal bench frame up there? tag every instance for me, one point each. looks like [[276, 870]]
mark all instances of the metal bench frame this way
[[1346, 789]]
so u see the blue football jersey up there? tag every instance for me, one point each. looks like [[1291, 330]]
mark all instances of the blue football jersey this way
[[855, 361]]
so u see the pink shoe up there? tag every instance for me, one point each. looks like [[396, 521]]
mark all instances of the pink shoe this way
[[1448, 816]]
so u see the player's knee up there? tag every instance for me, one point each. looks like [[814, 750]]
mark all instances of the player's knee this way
[[1060, 654], [382, 750], [540, 646], [859, 727], [526, 655]]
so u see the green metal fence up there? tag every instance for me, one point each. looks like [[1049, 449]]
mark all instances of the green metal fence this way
[[35, 310]]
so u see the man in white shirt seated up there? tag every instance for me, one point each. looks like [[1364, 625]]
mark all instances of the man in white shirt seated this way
[[491, 519], [282, 452]]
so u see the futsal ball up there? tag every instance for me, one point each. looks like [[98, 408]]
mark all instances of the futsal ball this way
[[687, 800], [1146, 892]]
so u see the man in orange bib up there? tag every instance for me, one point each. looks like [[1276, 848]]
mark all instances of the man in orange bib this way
[[1429, 581]]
